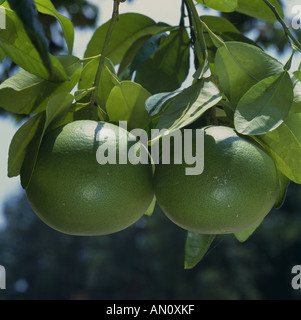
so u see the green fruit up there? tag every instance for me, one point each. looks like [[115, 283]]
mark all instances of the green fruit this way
[[237, 189], [74, 194]]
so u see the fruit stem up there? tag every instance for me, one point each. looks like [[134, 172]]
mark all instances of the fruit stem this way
[[114, 19], [284, 26]]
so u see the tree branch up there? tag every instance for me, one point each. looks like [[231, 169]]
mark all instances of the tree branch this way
[[115, 18], [198, 31], [284, 26]]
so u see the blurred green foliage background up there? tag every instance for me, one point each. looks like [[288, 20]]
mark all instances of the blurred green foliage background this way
[[146, 260]]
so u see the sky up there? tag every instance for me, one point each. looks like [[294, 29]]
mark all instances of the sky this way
[[169, 13]]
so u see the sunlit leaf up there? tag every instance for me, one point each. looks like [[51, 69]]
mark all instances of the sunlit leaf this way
[[189, 105], [265, 105], [25, 93], [284, 144], [108, 80], [258, 9], [157, 102], [239, 66], [126, 102], [220, 5]]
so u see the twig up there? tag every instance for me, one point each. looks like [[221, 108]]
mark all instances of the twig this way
[[182, 24], [115, 18], [284, 26], [198, 30], [192, 35]]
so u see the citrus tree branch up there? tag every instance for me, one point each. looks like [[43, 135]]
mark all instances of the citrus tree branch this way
[[286, 29], [198, 31], [192, 34], [114, 19], [182, 24]]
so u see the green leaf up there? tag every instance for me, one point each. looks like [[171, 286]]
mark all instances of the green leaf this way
[[297, 74], [57, 109], [168, 67], [148, 48], [265, 105], [130, 27], [284, 145], [296, 106], [283, 186], [108, 80], [16, 44], [28, 14], [203, 71], [126, 102], [224, 29], [25, 93], [239, 66], [46, 7], [219, 25], [220, 5], [124, 70], [151, 208], [2, 55], [81, 94], [258, 9], [196, 246], [157, 102], [238, 37], [244, 235], [21, 141], [189, 105], [212, 39]]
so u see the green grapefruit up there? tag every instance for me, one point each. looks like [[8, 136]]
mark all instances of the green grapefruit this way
[[236, 190], [74, 194]]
